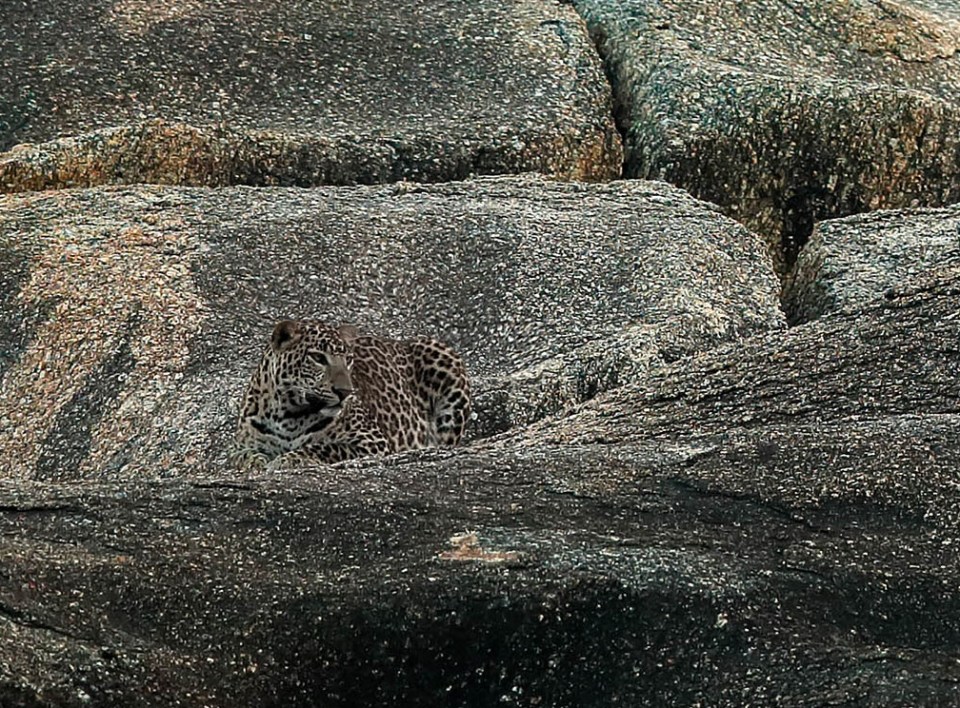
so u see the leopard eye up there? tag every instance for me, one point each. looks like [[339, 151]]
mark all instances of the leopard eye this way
[[319, 357]]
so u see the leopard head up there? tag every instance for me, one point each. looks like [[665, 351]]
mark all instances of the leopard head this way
[[303, 382]]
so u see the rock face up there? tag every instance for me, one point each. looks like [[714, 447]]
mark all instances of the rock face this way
[[135, 331], [768, 523], [787, 113], [848, 262], [298, 93], [669, 496]]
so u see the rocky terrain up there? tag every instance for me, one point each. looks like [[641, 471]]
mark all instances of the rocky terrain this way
[[717, 433], [787, 113], [296, 93]]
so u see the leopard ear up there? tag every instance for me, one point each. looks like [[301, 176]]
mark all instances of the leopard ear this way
[[348, 333], [286, 334]]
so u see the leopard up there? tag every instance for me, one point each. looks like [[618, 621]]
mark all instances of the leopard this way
[[329, 393]]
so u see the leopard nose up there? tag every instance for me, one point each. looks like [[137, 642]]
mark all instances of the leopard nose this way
[[342, 393]]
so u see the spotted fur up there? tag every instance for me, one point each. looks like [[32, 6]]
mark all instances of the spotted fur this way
[[330, 394]]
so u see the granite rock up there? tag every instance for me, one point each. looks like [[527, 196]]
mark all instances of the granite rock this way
[[787, 113], [668, 496], [853, 261], [298, 93], [138, 312], [767, 523]]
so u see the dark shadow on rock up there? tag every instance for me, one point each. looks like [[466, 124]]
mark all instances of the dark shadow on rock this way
[[68, 441], [14, 271], [553, 645]]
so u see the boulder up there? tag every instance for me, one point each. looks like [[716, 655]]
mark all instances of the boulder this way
[[137, 313], [772, 522], [298, 93], [852, 261], [787, 113]]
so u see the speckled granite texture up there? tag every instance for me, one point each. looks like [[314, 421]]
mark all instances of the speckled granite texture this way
[[141, 324], [787, 113], [868, 258], [669, 497], [298, 93]]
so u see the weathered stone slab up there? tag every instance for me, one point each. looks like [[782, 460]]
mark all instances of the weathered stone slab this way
[[850, 262], [140, 311], [788, 113], [731, 396], [298, 93], [769, 523]]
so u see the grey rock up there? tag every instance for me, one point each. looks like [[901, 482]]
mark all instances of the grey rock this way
[[669, 497], [298, 93], [774, 522], [143, 309], [853, 261], [787, 113]]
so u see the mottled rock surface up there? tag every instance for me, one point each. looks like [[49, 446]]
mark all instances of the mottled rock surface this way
[[298, 93], [668, 497], [861, 259], [139, 312], [788, 113], [774, 522]]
